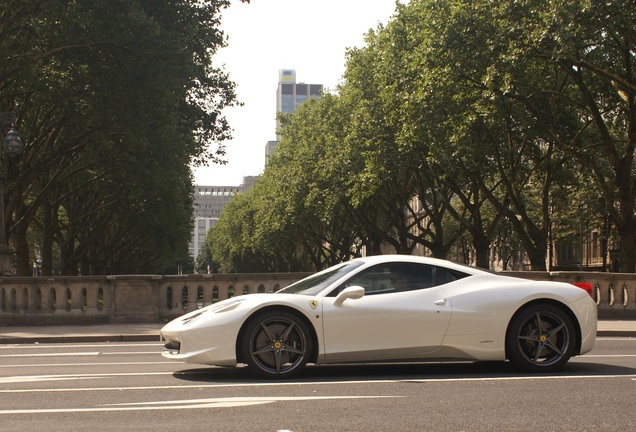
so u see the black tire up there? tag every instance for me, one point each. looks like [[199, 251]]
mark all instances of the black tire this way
[[540, 338], [276, 344]]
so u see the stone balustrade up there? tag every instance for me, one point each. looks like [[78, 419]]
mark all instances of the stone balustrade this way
[[148, 298], [614, 293], [123, 299]]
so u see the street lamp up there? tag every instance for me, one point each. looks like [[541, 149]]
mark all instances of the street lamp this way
[[13, 146]]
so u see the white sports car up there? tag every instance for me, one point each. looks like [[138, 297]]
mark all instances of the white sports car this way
[[390, 308]]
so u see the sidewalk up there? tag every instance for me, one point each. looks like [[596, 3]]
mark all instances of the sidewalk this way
[[78, 333], [150, 333], [616, 328]]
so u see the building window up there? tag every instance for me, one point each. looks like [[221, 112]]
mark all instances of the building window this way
[[287, 104], [300, 99]]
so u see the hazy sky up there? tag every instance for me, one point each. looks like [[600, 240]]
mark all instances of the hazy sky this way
[[310, 36]]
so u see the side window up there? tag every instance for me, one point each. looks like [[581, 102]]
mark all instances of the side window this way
[[410, 277], [400, 277], [444, 276], [376, 280]]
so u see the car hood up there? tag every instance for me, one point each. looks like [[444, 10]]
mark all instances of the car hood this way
[[245, 305]]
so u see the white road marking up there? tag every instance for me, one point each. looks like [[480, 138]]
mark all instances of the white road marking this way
[[230, 402], [83, 354], [80, 354], [285, 384], [46, 365], [248, 399], [605, 356], [36, 378], [82, 345], [42, 378], [523, 378]]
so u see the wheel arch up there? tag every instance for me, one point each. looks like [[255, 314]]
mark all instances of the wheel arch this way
[[558, 304], [273, 309]]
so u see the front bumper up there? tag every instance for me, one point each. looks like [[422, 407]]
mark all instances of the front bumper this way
[[200, 344]]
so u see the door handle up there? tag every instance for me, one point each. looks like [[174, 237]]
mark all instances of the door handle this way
[[441, 302]]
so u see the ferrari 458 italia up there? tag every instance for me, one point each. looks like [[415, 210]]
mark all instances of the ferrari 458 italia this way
[[390, 308]]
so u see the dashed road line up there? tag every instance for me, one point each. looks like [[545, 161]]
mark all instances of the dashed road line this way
[[47, 378], [228, 402]]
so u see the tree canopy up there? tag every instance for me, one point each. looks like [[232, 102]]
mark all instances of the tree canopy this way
[[115, 99], [461, 127]]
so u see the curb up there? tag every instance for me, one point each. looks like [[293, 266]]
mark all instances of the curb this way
[[616, 333], [157, 338], [79, 339]]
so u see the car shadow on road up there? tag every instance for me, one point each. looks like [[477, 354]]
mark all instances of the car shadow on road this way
[[398, 372]]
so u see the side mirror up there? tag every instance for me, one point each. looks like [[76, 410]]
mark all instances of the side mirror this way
[[352, 292]]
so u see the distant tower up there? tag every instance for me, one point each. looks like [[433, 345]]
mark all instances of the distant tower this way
[[289, 96]]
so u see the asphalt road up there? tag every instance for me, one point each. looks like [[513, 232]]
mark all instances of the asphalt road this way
[[129, 386]]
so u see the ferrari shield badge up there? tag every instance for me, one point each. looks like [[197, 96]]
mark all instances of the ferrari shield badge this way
[[313, 304]]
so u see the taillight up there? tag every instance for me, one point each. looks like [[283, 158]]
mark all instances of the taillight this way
[[586, 286]]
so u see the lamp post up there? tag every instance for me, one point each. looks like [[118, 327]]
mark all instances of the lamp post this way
[[13, 146]]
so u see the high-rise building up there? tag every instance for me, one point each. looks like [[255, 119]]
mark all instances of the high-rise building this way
[[289, 95], [209, 202], [269, 149]]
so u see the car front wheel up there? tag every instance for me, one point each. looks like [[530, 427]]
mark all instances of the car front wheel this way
[[540, 338], [276, 344]]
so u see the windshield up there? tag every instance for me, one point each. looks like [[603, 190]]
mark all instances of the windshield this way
[[313, 284]]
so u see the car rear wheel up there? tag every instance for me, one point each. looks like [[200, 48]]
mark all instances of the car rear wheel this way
[[276, 344], [540, 338]]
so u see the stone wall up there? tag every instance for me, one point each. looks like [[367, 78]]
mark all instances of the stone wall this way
[[148, 298], [123, 299]]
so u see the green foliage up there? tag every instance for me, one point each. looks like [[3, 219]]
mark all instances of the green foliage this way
[[461, 125], [115, 100], [204, 262]]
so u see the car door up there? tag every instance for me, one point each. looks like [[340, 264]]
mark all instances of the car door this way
[[402, 315]]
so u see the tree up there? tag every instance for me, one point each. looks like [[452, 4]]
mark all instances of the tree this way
[[484, 115], [204, 262], [463, 119], [115, 100], [594, 44]]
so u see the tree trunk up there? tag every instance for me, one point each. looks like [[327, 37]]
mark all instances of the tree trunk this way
[[482, 250], [627, 242], [47, 241], [23, 262], [537, 259]]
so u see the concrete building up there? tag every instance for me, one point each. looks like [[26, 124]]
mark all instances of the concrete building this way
[[209, 202], [201, 227], [269, 149], [289, 95]]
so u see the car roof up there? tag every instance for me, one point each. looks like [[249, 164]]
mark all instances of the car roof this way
[[378, 259]]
